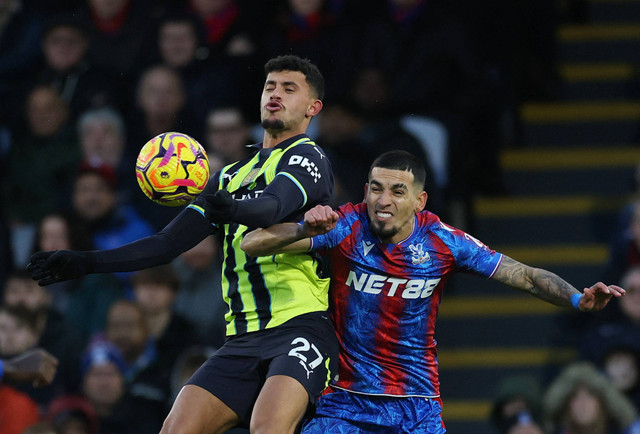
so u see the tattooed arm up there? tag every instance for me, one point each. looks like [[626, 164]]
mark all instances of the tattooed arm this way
[[551, 288]]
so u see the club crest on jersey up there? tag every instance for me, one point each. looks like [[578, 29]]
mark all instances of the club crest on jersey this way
[[418, 256], [250, 178], [311, 167]]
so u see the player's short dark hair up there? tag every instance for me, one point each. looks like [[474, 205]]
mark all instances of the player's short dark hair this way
[[402, 160], [290, 62]]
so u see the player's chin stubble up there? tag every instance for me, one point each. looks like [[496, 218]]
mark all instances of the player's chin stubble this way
[[381, 233], [273, 124]]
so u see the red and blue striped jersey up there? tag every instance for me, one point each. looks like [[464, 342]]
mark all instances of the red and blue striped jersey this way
[[384, 299]]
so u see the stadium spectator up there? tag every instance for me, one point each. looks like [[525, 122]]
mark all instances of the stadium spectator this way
[[72, 414], [313, 29], [20, 33], [517, 403], [368, 130], [95, 209], [200, 296], [621, 232], [67, 69], [233, 33], [146, 372], [622, 365], [620, 326], [102, 133], [161, 98], [83, 302], [341, 131], [230, 28], [209, 81], [436, 73], [17, 410], [159, 108], [119, 33], [155, 290], [53, 333], [625, 248], [613, 342], [40, 167], [228, 135], [426, 50], [20, 331], [103, 385], [583, 400]]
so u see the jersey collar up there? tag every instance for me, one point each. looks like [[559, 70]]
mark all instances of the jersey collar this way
[[282, 144]]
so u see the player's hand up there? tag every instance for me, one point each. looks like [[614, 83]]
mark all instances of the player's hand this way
[[596, 297], [221, 207], [35, 365], [319, 220], [57, 266]]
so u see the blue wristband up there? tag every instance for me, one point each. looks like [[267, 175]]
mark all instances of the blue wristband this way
[[1, 369], [575, 300]]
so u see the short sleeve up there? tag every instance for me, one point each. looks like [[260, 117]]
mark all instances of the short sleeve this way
[[470, 253], [335, 236]]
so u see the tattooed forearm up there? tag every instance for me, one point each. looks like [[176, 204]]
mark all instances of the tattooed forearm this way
[[538, 282]]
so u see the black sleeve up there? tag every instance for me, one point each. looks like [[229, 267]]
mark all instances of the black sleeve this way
[[180, 235], [269, 209], [304, 178], [309, 168]]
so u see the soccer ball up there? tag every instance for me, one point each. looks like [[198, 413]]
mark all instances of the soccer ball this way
[[172, 169]]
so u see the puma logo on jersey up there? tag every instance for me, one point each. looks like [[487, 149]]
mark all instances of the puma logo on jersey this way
[[315, 148], [311, 167], [229, 176], [376, 284]]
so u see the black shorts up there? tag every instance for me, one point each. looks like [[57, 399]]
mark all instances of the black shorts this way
[[298, 348]]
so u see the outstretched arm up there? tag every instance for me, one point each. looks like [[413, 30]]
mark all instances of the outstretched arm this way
[[551, 288], [184, 232], [290, 237], [35, 365]]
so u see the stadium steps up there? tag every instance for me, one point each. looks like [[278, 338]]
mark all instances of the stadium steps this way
[[581, 123], [566, 182], [604, 80]]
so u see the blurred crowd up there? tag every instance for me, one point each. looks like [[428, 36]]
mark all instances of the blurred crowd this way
[[598, 392], [84, 84]]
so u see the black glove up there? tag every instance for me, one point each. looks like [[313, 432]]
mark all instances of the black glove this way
[[221, 207], [56, 266]]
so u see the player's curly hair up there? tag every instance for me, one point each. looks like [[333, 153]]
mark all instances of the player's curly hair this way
[[402, 160], [290, 62]]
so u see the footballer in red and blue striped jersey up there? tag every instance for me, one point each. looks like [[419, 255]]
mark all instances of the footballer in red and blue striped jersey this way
[[385, 299], [390, 263]]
